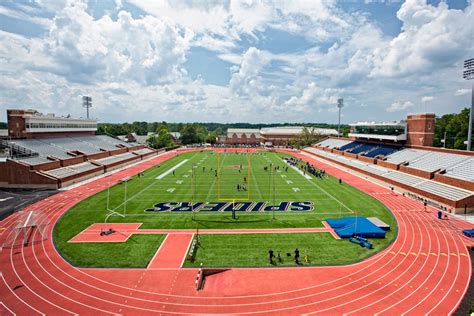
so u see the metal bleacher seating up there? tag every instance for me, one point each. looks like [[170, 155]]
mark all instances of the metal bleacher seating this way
[[405, 155], [116, 158], [404, 178], [34, 160], [437, 160], [443, 190], [381, 151], [42, 148], [70, 144], [70, 170], [143, 151], [334, 143], [440, 189], [463, 170]]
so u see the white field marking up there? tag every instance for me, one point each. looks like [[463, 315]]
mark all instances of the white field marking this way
[[186, 252], [185, 175], [299, 171], [1, 303], [209, 193], [190, 171], [278, 171], [283, 175], [289, 181], [19, 298], [8, 198], [170, 170], [179, 181], [296, 189], [170, 190]]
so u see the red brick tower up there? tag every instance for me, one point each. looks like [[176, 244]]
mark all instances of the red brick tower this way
[[420, 129]]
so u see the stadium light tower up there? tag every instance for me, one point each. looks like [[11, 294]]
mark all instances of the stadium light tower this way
[[340, 105], [86, 103], [469, 74]]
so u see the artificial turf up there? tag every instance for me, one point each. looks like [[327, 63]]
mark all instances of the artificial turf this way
[[195, 181]]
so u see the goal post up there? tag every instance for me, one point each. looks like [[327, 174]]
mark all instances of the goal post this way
[[27, 225]]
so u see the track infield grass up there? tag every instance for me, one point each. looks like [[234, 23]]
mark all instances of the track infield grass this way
[[200, 184]]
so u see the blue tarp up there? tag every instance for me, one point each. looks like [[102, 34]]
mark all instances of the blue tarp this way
[[468, 232], [360, 226]]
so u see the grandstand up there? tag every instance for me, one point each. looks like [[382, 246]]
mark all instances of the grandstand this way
[[454, 196], [53, 152]]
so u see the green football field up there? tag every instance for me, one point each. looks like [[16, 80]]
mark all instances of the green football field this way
[[211, 177]]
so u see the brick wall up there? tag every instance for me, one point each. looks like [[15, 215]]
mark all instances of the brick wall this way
[[387, 164], [16, 175], [416, 172], [366, 159], [468, 185]]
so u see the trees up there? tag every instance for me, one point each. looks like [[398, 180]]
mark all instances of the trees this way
[[456, 128], [161, 139]]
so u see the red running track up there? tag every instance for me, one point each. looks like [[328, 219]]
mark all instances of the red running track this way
[[425, 271]]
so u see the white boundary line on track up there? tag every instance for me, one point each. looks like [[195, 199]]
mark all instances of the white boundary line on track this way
[[186, 252], [6, 307]]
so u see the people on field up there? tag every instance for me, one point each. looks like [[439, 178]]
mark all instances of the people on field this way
[[297, 256], [271, 256]]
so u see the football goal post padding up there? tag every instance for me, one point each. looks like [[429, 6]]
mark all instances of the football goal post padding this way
[[29, 223]]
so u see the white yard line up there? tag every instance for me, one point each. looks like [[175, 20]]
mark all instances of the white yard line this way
[[170, 170]]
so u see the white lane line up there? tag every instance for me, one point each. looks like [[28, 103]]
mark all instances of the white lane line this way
[[170, 170]]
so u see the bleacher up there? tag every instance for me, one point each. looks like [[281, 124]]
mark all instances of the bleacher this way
[[70, 170], [334, 143], [443, 190], [34, 160], [116, 158], [143, 151], [437, 160], [463, 170], [350, 146], [70, 144], [101, 142], [402, 177], [42, 148], [440, 189], [381, 151], [405, 155]]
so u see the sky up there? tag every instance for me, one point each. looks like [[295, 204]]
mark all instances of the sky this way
[[236, 61]]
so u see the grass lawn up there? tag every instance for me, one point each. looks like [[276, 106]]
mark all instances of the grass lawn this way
[[194, 180], [136, 252], [244, 250]]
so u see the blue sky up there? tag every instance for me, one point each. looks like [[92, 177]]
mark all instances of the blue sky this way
[[235, 61]]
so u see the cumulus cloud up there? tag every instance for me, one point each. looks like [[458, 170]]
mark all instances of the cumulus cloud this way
[[426, 99], [148, 50], [462, 92], [432, 37], [399, 106]]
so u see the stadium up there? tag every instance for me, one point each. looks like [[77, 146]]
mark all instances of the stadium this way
[[245, 211], [346, 225]]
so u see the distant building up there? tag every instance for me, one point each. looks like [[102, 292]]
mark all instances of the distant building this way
[[32, 124], [275, 136], [416, 130]]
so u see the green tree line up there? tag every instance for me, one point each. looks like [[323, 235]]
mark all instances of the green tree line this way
[[456, 126]]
